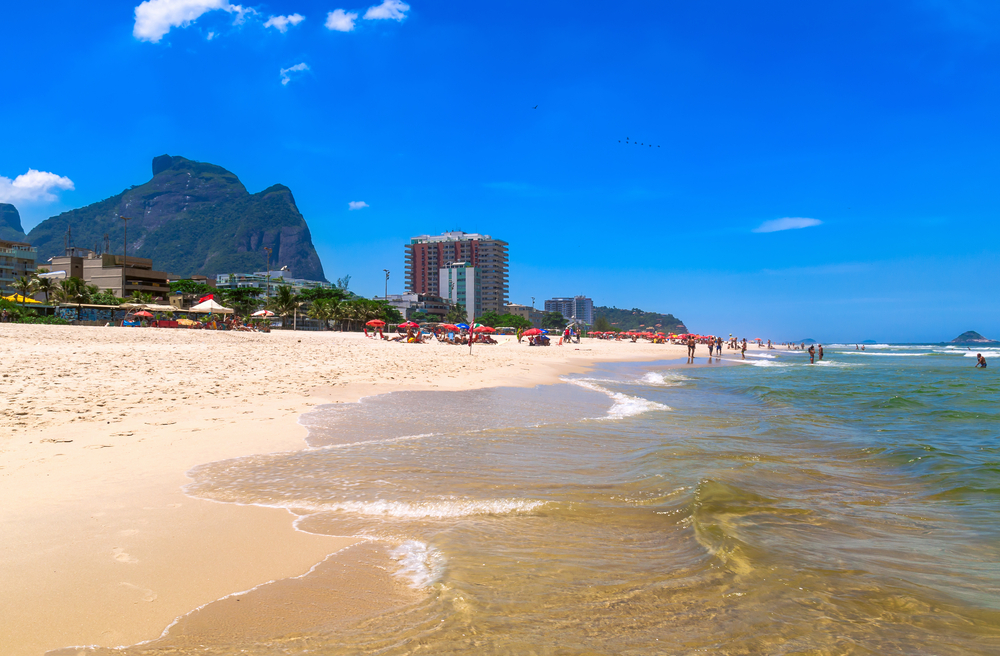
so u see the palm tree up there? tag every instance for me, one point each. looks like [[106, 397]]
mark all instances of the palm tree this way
[[322, 309], [47, 286], [285, 301], [75, 290], [25, 286]]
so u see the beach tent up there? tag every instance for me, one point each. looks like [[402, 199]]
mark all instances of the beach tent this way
[[211, 306]]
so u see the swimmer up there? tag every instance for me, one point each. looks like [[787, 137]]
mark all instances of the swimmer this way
[[980, 361], [812, 354]]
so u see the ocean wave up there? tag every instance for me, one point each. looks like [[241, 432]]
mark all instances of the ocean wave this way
[[663, 380], [440, 509], [761, 355], [624, 405], [891, 355], [419, 563]]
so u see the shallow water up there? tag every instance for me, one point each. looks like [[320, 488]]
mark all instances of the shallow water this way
[[763, 507]]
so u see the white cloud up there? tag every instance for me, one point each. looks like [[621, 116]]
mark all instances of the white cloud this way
[[787, 223], [281, 23], [286, 78], [33, 186], [394, 9], [357, 205], [340, 20], [154, 18]]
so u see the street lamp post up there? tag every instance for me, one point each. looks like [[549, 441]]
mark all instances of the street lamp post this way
[[267, 289], [126, 219], [386, 285]]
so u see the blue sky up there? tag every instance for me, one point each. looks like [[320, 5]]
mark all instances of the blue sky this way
[[877, 122]]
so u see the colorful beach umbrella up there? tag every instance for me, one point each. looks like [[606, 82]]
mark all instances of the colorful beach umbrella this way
[[463, 326]]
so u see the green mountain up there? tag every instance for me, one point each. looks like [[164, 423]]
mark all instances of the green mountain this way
[[972, 337], [636, 319], [10, 223], [191, 218]]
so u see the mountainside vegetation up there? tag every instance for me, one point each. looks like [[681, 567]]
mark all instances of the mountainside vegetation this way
[[636, 319], [191, 218], [10, 223]]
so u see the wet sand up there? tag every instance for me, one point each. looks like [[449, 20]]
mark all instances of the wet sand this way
[[99, 426]]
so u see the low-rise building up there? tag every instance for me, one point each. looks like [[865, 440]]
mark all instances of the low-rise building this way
[[17, 259], [262, 280], [526, 312], [106, 271]]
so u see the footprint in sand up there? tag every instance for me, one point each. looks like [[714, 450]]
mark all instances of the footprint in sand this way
[[147, 595], [121, 556]]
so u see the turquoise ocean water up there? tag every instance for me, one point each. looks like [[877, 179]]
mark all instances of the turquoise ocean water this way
[[766, 507]]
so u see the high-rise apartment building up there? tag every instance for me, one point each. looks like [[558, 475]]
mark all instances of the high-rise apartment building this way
[[578, 309], [461, 283], [427, 256]]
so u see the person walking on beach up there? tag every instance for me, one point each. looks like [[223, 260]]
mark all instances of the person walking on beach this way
[[690, 346], [980, 361], [812, 354], [718, 346], [821, 352]]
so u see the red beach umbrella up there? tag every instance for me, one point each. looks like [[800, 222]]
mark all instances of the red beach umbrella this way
[[484, 329], [143, 314], [409, 324], [449, 326], [531, 331], [375, 322]]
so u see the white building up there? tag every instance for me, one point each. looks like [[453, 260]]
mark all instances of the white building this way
[[459, 284], [578, 309]]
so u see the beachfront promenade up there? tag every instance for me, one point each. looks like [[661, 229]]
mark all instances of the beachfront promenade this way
[[99, 425]]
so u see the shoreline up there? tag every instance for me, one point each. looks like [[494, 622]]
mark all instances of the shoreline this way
[[96, 551]]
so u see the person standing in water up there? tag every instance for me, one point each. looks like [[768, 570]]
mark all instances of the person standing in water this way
[[980, 361], [821, 352], [743, 349], [812, 354]]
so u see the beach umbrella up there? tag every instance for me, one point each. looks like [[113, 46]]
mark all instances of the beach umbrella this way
[[483, 329], [375, 322], [409, 324], [144, 314], [531, 331], [463, 326], [449, 326], [262, 313]]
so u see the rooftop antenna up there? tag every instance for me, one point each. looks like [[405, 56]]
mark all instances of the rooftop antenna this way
[[68, 239], [107, 243]]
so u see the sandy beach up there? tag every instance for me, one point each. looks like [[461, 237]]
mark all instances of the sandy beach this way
[[99, 426]]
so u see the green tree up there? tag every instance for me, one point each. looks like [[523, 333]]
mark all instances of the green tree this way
[[317, 293], [513, 321], [285, 302], [553, 320], [46, 285], [191, 287], [25, 286], [420, 316], [244, 300], [323, 309], [491, 319], [456, 314], [140, 298], [601, 324], [342, 283], [105, 297], [76, 291]]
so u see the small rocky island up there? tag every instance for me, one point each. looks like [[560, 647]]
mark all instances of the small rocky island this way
[[972, 337]]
